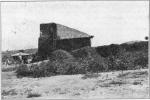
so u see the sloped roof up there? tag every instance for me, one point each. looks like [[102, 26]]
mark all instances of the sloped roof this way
[[20, 54], [64, 32]]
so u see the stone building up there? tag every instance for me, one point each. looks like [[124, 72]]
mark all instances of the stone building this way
[[56, 36]]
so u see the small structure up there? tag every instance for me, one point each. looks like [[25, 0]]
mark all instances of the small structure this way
[[21, 57], [56, 36]]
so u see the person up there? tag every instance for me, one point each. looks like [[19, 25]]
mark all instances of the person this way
[[7, 62]]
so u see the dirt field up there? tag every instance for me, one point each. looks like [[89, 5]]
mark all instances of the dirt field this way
[[130, 84]]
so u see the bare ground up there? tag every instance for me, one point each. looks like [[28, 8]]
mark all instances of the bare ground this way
[[130, 84]]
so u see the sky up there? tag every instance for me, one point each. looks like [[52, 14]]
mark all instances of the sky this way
[[108, 21]]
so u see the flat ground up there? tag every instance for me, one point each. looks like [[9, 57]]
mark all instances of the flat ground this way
[[130, 84]]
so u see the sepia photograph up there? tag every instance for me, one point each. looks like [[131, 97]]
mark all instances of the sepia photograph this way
[[74, 50]]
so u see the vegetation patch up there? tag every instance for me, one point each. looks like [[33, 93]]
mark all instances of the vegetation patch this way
[[90, 60], [31, 95], [136, 83], [9, 92], [8, 69], [116, 82], [123, 75], [133, 74], [76, 94], [140, 73]]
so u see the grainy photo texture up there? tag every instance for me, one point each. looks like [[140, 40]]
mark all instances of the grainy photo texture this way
[[75, 50]]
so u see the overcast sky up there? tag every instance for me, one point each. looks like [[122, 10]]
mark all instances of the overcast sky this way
[[109, 21]]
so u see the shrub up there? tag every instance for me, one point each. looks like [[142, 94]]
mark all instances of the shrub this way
[[23, 70], [125, 56], [9, 92], [93, 66], [88, 59], [5, 59], [137, 46], [82, 52], [136, 83], [7, 69], [123, 75], [61, 67], [124, 60], [42, 70], [142, 61], [109, 50], [66, 67], [62, 62], [31, 95], [116, 82], [61, 55], [70, 67]]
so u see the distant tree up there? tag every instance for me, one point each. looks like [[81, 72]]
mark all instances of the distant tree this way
[[21, 50], [146, 37]]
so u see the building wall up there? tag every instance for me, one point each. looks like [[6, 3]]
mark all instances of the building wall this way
[[45, 46], [47, 39], [72, 44]]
